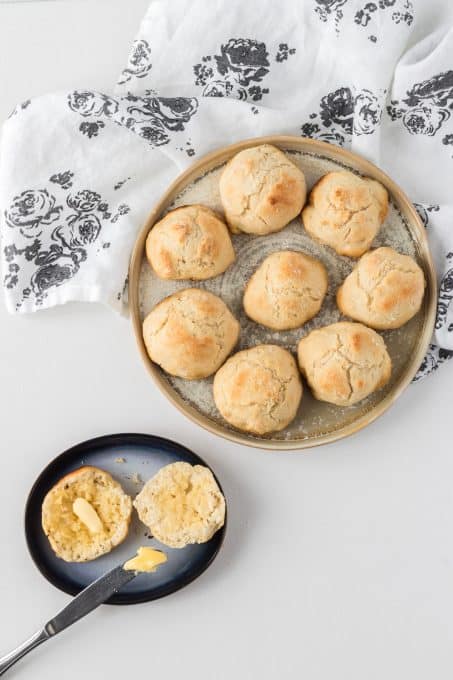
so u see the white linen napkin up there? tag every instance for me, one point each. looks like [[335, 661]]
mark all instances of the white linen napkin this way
[[80, 170]]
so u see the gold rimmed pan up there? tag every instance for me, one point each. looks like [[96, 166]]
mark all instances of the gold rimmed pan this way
[[317, 422]]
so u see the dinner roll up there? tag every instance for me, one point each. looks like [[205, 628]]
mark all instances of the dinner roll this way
[[344, 363], [345, 211], [181, 504], [286, 290], [85, 515], [190, 333], [384, 290], [259, 389], [261, 190], [190, 242]]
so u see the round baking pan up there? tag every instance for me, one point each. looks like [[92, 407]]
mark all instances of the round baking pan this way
[[316, 422]]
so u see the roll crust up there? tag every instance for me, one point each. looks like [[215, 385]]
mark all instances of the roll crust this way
[[384, 290], [343, 363], [286, 290], [258, 390], [190, 333], [190, 242], [261, 190], [345, 211]]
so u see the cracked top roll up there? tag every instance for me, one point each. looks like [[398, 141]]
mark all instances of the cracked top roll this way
[[259, 390], [344, 363], [190, 242], [384, 290], [345, 211], [261, 190], [190, 333], [286, 290]]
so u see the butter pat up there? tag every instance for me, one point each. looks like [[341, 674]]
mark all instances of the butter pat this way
[[88, 515], [147, 559]]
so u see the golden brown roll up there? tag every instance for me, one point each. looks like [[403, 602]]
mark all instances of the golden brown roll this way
[[345, 211], [190, 242], [344, 362], [190, 333], [259, 389], [85, 515], [261, 190], [286, 290], [384, 290]]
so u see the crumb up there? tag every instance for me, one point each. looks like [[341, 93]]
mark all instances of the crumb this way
[[120, 460], [136, 479]]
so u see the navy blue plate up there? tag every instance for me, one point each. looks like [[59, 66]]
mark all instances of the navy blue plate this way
[[144, 455]]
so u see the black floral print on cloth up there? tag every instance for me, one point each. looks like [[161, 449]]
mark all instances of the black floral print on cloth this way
[[448, 140], [330, 9], [426, 107], [31, 210], [155, 118], [152, 118], [187, 148], [121, 183], [402, 11], [343, 113], [79, 217], [239, 69], [64, 179], [444, 316], [10, 279], [434, 358], [89, 103], [369, 16], [20, 107], [424, 210], [436, 355], [91, 129], [139, 62], [284, 52]]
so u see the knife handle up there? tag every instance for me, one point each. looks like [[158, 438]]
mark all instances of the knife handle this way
[[10, 659], [88, 599]]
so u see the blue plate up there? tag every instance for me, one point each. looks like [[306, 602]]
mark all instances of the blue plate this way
[[144, 455]]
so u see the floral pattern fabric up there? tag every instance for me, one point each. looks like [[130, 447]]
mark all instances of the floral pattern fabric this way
[[368, 79], [342, 114], [71, 237]]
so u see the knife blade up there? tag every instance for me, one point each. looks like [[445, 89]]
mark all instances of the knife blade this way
[[90, 598]]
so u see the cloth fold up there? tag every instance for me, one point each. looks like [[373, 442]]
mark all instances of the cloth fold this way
[[80, 170]]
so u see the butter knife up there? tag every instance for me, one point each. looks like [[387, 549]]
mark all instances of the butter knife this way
[[88, 599]]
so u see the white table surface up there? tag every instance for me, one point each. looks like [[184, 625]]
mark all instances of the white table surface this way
[[338, 563]]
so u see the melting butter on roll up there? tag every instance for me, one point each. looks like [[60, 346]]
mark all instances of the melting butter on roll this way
[[85, 515]]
